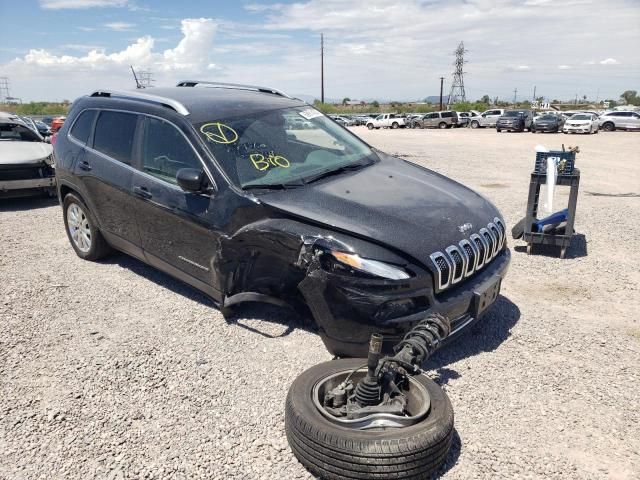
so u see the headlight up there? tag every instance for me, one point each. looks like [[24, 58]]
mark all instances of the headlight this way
[[372, 267]]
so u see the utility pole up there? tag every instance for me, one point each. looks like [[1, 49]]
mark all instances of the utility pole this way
[[515, 96], [441, 86], [534, 93], [322, 68], [576, 101]]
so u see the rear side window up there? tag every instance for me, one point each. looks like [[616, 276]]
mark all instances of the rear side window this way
[[166, 151], [114, 135], [82, 127], [447, 114]]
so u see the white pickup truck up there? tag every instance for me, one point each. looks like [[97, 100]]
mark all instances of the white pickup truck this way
[[386, 120], [487, 119]]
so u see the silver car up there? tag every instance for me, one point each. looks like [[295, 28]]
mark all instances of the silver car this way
[[611, 121], [487, 119]]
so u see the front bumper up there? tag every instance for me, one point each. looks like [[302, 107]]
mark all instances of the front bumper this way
[[21, 178], [546, 128], [348, 310], [579, 129], [509, 126]]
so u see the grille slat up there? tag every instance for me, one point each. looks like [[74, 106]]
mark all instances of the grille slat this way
[[463, 260]]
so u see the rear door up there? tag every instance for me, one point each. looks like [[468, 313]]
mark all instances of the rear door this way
[[177, 228], [105, 174]]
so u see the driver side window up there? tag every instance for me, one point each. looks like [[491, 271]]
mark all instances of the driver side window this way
[[165, 151]]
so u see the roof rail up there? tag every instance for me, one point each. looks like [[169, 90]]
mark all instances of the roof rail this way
[[233, 86], [147, 97]]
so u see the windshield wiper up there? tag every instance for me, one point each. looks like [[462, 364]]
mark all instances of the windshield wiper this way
[[345, 168], [271, 186]]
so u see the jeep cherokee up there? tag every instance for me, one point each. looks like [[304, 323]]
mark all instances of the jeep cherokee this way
[[209, 183]]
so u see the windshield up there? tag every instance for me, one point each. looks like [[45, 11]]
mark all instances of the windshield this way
[[581, 117], [275, 149], [548, 117], [513, 113], [17, 132]]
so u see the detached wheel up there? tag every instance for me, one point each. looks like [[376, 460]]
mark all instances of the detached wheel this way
[[370, 447], [82, 230]]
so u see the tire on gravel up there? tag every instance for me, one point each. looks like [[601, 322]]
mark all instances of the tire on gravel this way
[[99, 246], [330, 451]]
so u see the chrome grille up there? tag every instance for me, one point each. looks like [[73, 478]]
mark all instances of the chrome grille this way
[[463, 260]]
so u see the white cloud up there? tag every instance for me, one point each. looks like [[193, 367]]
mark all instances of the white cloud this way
[[68, 4], [564, 67], [194, 48], [192, 53], [120, 26], [609, 61], [87, 29]]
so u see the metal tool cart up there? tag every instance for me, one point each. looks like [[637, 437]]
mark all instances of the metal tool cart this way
[[567, 176]]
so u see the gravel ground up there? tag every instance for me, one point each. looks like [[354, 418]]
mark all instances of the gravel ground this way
[[115, 370]]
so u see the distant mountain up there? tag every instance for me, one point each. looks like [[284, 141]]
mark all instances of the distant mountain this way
[[436, 99]]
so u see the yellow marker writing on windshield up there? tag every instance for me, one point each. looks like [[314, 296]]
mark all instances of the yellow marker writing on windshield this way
[[219, 133], [261, 163]]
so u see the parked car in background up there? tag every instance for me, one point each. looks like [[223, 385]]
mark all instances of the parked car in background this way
[[548, 123], [611, 121], [386, 120], [56, 123], [464, 118], [581, 123], [445, 119], [47, 121], [515, 121], [489, 118], [26, 161]]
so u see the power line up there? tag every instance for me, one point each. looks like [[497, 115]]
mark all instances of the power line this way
[[457, 93]]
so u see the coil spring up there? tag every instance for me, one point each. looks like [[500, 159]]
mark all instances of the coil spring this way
[[425, 336]]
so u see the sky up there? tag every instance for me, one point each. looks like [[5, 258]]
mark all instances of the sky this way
[[374, 49]]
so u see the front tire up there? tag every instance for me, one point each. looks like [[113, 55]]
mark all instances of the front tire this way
[[475, 124], [394, 125], [608, 127], [442, 125], [333, 452], [82, 230], [370, 126]]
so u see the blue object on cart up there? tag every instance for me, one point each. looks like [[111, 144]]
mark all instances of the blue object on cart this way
[[554, 218]]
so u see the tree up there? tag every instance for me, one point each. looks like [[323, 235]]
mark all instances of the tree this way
[[485, 99], [584, 97], [630, 97], [345, 100], [540, 99], [375, 104]]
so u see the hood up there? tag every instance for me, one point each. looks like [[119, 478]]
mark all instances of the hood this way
[[579, 122], [393, 202], [15, 152]]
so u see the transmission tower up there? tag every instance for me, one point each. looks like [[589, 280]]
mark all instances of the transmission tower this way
[[4, 89], [457, 87], [146, 78]]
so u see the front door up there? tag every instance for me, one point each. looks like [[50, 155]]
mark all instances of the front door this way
[[177, 228]]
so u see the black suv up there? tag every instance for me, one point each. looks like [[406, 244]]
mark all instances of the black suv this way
[[209, 183]]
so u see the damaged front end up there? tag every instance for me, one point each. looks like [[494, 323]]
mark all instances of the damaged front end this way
[[349, 304]]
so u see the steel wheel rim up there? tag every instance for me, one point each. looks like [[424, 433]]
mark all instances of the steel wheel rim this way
[[377, 420], [79, 229]]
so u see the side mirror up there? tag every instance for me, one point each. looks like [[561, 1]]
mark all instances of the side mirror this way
[[190, 179]]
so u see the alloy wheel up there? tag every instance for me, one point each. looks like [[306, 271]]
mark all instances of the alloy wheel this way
[[79, 228]]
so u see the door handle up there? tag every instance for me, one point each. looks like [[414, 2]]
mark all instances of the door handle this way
[[142, 192], [84, 166]]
